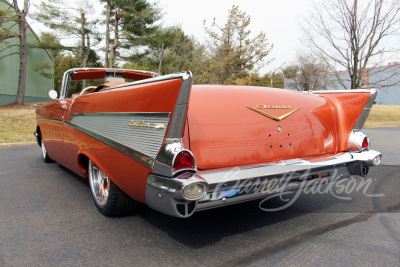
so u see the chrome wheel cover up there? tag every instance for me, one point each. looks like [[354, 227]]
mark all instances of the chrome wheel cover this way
[[99, 184], [44, 152]]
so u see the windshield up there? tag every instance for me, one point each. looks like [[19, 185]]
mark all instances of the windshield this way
[[111, 80]]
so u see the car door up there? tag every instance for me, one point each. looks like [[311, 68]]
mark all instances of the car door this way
[[53, 129]]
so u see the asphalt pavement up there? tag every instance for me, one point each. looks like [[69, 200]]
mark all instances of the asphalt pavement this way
[[47, 218]]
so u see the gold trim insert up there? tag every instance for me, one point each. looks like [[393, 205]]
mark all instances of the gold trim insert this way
[[273, 107], [148, 125]]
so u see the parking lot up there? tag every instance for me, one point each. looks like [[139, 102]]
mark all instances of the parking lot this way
[[48, 218]]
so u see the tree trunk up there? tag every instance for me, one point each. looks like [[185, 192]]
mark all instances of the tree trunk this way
[[83, 34], [106, 63], [87, 51], [115, 43], [22, 44]]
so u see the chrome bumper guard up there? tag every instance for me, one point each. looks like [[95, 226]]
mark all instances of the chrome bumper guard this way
[[244, 183]]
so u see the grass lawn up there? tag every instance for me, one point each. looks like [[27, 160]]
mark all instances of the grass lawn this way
[[383, 115], [17, 123]]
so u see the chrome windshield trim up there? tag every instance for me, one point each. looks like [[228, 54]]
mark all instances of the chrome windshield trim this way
[[68, 73], [182, 75], [246, 172], [64, 84]]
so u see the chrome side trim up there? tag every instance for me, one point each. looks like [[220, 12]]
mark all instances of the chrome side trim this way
[[136, 155], [143, 159], [114, 126], [48, 119], [142, 114], [367, 108]]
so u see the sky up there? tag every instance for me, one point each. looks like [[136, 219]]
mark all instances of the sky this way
[[278, 19]]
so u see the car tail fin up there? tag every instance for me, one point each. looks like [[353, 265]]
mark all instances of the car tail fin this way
[[352, 109], [172, 146], [352, 101], [367, 108]]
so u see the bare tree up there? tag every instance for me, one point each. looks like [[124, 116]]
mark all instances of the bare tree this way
[[353, 35], [22, 45], [308, 74], [19, 17]]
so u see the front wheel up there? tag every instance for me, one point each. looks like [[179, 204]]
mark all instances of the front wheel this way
[[108, 198]]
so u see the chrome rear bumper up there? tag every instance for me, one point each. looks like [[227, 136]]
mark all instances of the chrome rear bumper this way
[[244, 183]]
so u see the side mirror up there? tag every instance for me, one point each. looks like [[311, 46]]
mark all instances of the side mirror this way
[[53, 94]]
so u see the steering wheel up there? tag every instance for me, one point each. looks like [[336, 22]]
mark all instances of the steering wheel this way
[[87, 89]]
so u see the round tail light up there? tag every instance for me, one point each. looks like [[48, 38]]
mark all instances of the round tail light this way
[[365, 143], [184, 160]]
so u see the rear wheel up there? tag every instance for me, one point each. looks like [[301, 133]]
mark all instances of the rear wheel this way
[[108, 198], [45, 156]]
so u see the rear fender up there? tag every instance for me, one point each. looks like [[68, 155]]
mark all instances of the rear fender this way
[[173, 143], [351, 109], [132, 121]]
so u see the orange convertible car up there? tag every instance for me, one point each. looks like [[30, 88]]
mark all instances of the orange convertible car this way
[[182, 148]]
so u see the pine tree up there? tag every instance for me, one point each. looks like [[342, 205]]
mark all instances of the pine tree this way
[[233, 53]]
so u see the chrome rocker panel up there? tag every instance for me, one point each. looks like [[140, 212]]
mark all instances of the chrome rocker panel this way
[[165, 194]]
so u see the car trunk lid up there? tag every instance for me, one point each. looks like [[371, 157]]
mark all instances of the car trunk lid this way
[[237, 125]]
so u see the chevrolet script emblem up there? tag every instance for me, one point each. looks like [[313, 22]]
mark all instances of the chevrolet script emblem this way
[[145, 124], [258, 107]]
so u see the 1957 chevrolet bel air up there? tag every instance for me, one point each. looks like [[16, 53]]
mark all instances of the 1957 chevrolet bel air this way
[[182, 148]]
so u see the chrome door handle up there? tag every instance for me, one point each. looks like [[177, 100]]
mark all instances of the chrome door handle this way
[[63, 106]]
